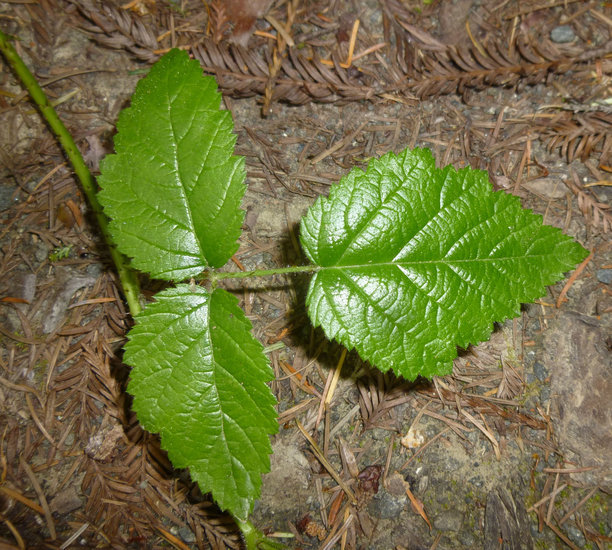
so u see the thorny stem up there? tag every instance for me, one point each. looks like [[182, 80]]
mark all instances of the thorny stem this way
[[129, 282], [127, 276]]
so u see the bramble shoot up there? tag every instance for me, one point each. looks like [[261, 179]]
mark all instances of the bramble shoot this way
[[409, 261]]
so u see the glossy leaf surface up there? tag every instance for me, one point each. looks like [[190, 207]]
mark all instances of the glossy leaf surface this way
[[418, 260], [199, 380], [173, 189]]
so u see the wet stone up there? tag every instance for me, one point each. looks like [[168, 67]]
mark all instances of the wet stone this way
[[562, 34], [540, 371], [604, 276], [65, 501], [576, 536], [186, 534], [385, 505]]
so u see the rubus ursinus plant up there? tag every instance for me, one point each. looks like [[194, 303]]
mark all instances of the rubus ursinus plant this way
[[408, 262]]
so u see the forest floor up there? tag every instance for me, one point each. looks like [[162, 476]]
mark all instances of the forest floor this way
[[513, 450]]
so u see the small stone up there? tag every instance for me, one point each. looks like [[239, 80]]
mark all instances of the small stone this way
[[186, 534], [66, 501], [385, 505], [450, 520], [396, 485], [551, 188], [604, 276], [540, 371], [476, 482], [41, 251], [413, 439], [94, 270], [576, 536], [562, 34]]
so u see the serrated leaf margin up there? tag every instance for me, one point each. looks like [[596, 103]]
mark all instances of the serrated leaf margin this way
[[199, 380], [194, 222], [367, 201]]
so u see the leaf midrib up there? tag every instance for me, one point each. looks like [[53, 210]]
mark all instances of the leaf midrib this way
[[365, 223], [175, 144], [444, 261]]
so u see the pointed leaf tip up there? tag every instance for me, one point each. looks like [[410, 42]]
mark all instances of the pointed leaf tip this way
[[174, 173], [419, 260]]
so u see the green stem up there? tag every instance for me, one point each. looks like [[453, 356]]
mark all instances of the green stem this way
[[127, 276], [254, 539], [215, 276]]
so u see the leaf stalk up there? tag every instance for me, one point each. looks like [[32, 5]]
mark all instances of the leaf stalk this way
[[254, 539], [214, 276], [127, 277]]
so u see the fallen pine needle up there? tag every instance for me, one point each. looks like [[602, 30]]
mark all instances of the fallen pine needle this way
[[326, 464], [573, 278], [172, 539], [417, 505], [41, 496], [547, 497], [24, 500], [334, 382], [92, 301], [474, 41], [281, 30], [16, 534]]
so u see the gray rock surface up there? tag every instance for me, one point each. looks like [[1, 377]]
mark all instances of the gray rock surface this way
[[581, 388], [449, 520], [604, 276], [385, 505]]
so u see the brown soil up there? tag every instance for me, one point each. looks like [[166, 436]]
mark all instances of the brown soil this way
[[513, 450]]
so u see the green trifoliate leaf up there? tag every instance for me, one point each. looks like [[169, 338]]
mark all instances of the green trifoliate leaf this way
[[418, 260], [173, 188], [199, 380]]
